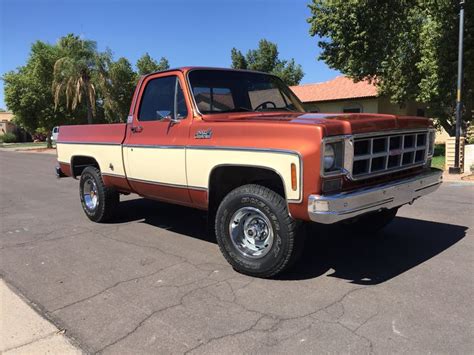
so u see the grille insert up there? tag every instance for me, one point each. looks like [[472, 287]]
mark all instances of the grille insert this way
[[381, 154]]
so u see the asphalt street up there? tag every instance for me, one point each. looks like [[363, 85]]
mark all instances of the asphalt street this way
[[154, 281]]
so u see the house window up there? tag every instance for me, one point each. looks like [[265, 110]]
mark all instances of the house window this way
[[353, 108]]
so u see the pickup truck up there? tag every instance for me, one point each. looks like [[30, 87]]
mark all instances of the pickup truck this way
[[240, 145]]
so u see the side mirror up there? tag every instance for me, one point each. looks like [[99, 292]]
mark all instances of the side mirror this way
[[162, 115], [166, 116]]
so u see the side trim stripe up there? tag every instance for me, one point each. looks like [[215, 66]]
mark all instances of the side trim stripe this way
[[198, 147], [154, 146], [168, 185], [114, 175], [90, 143]]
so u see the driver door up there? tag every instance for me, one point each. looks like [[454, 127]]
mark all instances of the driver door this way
[[155, 145]]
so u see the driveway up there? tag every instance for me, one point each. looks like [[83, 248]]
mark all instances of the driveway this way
[[154, 281]]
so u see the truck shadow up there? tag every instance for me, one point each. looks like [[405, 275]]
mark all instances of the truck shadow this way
[[364, 260]]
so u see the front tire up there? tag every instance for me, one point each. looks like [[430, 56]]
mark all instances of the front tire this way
[[99, 202], [255, 232]]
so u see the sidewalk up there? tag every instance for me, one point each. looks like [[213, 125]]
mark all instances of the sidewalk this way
[[464, 177], [23, 331], [51, 151]]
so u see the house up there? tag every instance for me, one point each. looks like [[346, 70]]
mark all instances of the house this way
[[6, 124], [342, 94]]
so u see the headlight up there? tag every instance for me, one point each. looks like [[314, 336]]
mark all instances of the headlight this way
[[334, 151], [329, 157]]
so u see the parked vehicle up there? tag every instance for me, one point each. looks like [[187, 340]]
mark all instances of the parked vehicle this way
[[54, 134], [240, 145]]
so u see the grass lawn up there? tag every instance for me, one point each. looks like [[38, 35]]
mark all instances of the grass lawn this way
[[438, 162], [23, 145], [439, 156]]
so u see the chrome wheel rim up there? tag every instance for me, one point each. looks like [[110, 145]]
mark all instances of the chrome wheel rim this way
[[251, 232], [90, 194]]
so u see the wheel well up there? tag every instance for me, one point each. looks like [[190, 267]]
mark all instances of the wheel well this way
[[80, 162], [224, 179]]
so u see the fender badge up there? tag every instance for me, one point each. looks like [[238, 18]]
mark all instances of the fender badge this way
[[203, 134]]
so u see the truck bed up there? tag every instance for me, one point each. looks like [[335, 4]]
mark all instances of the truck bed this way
[[96, 133], [101, 142]]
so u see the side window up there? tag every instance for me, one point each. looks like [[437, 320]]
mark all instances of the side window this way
[[162, 96]]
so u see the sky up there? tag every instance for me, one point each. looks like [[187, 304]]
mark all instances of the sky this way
[[187, 32]]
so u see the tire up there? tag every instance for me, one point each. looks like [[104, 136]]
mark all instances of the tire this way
[[371, 223], [98, 201], [262, 213]]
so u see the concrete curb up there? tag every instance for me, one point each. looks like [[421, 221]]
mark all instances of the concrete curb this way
[[24, 331]]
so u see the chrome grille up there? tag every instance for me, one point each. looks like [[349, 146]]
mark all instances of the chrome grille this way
[[383, 153]]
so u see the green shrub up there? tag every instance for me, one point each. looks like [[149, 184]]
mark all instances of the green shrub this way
[[439, 150], [8, 138]]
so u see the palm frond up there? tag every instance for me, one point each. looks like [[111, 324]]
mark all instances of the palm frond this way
[[77, 94], [92, 96], [57, 93]]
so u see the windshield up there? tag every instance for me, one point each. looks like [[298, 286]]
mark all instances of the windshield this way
[[220, 91]]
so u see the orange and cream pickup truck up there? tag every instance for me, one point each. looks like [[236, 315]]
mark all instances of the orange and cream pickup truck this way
[[240, 145]]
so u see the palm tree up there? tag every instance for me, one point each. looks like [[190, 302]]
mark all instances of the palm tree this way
[[73, 74]]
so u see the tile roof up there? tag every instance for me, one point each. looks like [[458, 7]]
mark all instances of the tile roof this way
[[338, 88]]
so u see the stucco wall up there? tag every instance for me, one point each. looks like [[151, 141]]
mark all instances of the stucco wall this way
[[6, 127], [367, 105]]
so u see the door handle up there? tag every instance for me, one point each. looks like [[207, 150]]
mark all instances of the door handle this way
[[136, 129]]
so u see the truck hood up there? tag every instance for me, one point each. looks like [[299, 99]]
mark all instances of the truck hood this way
[[332, 123]]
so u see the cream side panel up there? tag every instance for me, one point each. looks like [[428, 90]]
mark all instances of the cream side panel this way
[[162, 165], [104, 154], [200, 163]]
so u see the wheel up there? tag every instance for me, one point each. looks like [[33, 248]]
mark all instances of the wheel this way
[[98, 201], [371, 222], [255, 231]]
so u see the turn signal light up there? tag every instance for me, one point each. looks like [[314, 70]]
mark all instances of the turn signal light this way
[[294, 185]]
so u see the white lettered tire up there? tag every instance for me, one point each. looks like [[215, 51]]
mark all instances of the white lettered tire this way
[[255, 231]]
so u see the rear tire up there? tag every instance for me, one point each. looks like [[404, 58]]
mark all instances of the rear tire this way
[[371, 223], [98, 201], [255, 232]]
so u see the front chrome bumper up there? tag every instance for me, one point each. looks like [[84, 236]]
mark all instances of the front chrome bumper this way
[[345, 205]]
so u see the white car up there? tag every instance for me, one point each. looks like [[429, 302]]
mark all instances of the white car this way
[[55, 133]]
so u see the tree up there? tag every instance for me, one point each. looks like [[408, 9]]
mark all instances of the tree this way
[[73, 74], [266, 59], [28, 91], [408, 48], [71, 82], [117, 82], [146, 64]]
